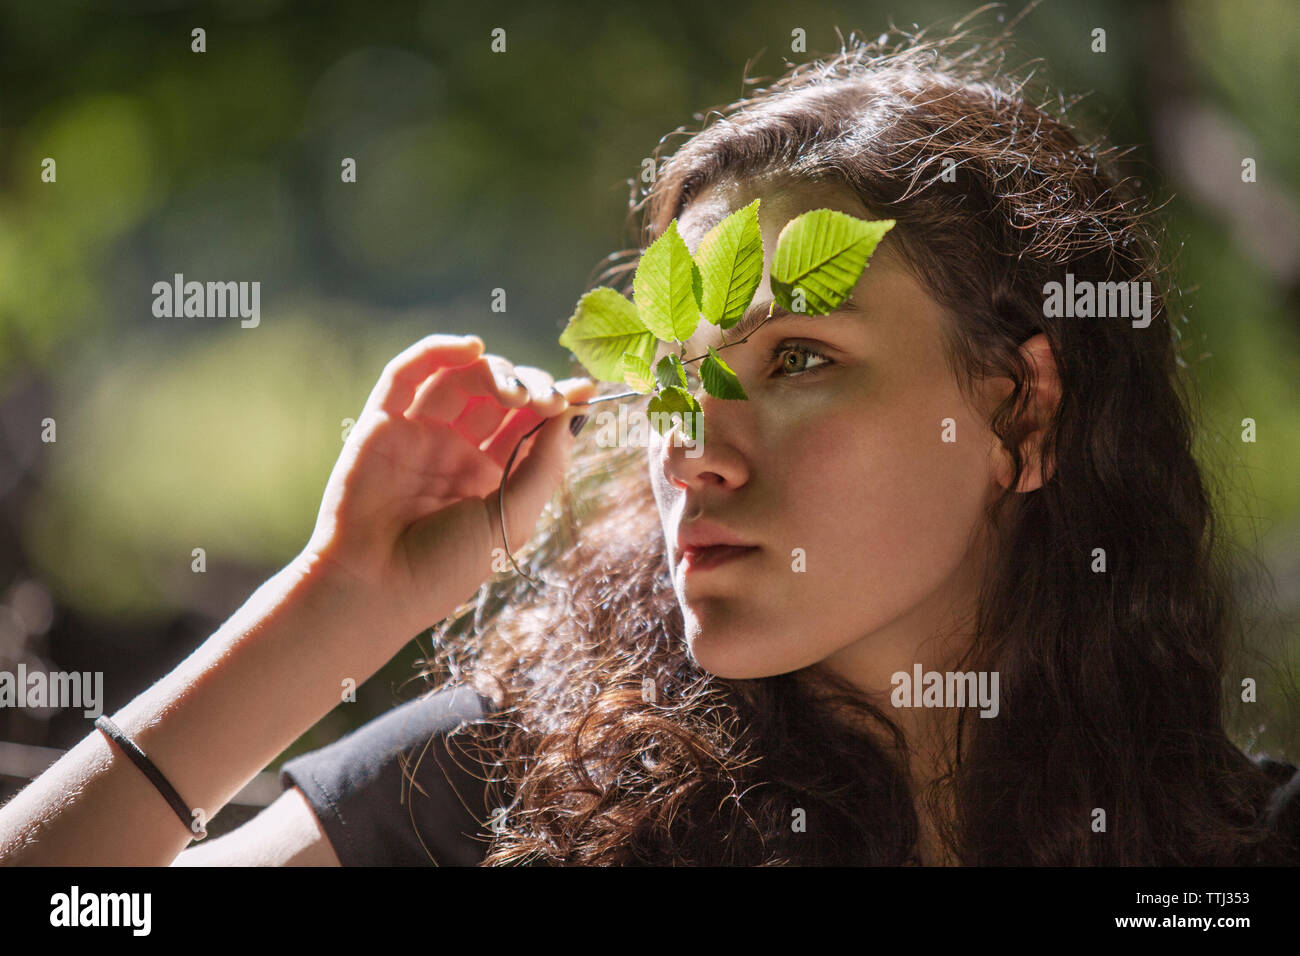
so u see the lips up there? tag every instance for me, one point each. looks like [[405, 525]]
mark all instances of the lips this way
[[704, 544], [700, 558]]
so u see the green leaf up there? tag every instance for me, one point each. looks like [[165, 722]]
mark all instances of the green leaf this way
[[670, 372], [604, 328], [730, 259], [664, 288], [719, 380], [637, 374], [823, 252], [670, 400]]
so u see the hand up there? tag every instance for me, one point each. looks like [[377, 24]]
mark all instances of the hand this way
[[409, 516]]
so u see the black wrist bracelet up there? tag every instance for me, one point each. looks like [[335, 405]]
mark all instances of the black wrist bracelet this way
[[114, 733]]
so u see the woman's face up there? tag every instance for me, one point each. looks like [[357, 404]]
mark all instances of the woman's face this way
[[862, 517]]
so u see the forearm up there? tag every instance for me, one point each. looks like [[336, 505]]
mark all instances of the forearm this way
[[267, 675]]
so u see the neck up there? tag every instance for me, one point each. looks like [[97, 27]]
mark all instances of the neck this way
[[937, 637]]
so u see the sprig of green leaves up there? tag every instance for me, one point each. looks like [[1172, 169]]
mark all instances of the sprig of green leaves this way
[[819, 257]]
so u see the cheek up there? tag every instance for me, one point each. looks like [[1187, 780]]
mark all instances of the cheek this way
[[881, 504]]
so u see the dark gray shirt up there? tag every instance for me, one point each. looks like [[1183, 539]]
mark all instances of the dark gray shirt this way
[[373, 816], [365, 800]]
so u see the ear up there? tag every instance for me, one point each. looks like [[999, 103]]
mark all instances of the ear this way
[[1045, 396]]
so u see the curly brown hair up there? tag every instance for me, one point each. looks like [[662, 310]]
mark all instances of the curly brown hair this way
[[1112, 691]]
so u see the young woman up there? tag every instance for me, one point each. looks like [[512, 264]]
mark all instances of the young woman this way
[[945, 476]]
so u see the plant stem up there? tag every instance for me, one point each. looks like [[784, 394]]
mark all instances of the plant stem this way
[[726, 345]]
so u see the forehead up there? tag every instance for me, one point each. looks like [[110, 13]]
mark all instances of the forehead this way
[[780, 201], [706, 210]]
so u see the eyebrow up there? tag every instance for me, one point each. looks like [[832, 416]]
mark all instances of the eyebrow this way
[[755, 315]]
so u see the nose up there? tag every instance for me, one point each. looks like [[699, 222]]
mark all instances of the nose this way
[[716, 461]]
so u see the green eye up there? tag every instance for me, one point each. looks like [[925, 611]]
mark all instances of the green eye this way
[[778, 356]]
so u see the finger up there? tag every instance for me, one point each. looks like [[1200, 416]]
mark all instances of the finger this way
[[403, 374], [542, 459], [453, 394], [519, 423], [513, 388], [545, 398], [577, 389], [539, 468], [480, 419], [503, 442], [445, 396]]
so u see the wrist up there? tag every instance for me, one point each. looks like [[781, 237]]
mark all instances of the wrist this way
[[381, 612], [270, 672], [321, 588]]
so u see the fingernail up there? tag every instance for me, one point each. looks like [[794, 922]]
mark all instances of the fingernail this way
[[576, 423]]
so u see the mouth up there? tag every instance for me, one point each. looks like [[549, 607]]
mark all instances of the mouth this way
[[700, 559]]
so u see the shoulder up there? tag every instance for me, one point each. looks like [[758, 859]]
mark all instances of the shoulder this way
[[403, 789]]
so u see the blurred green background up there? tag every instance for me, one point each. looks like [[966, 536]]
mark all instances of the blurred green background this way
[[475, 171]]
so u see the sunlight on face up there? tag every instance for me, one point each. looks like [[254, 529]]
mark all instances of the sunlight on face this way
[[862, 517]]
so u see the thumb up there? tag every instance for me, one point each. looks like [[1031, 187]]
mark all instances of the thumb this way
[[536, 475]]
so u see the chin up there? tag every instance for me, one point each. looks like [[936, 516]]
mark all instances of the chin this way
[[731, 656]]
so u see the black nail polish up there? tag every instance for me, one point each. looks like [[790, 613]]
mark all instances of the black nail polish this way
[[576, 423]]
